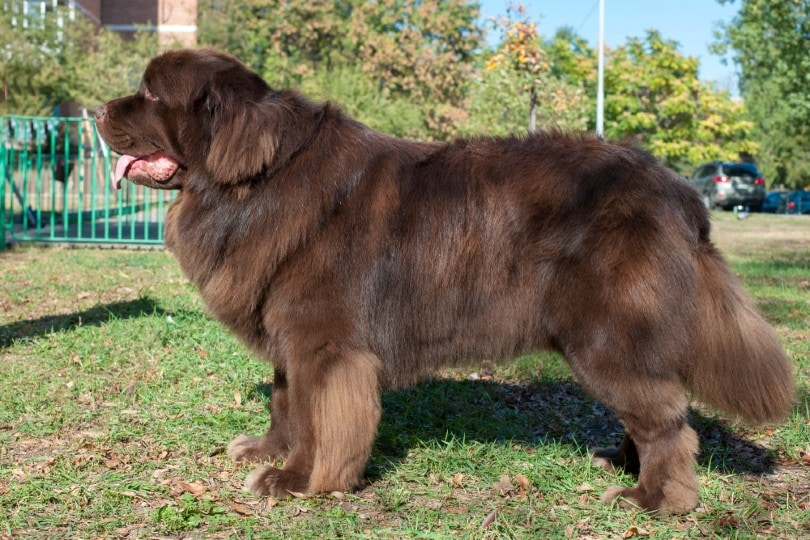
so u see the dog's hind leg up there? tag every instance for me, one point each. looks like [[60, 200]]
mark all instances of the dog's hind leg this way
[[667, 482], [625, 456], [653, 411], [334, 409], [276, 442]]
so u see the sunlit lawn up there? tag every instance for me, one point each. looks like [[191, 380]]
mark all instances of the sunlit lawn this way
[[118, 394]]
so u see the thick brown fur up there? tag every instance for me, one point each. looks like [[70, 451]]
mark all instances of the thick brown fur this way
[[356, 262]]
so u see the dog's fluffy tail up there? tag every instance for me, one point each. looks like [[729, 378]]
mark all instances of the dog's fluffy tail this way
[[738, 364]]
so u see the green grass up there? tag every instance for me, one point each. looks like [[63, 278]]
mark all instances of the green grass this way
[[118, 395]]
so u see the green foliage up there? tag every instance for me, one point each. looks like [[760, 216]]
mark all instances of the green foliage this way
[[497, 108], [356, 93], [31, 66], [572, 60], [527, 83], [653, 94], [280, 40], [770, 40], [422, 49], [107, 66], [50, 64], [416, 55], [417, 68], [186, 514]]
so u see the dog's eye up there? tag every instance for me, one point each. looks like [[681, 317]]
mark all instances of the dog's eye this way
[[149, 95]]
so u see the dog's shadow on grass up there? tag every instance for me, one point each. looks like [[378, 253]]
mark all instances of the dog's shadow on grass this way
[[95, 316], [531, 414]]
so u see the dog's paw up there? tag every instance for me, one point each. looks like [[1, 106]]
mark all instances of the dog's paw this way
[[616, 458], [263, 481], [245, 448], [661, 503], [603, 463], [617, 494], [257, 449], [608, 458]]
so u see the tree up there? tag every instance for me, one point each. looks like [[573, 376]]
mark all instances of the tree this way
[[422, 49], [281, 40], [413, 54], [653, 94], [521, 81], [52, 60], [105, 65], [571, 59], [770, 40], [31, 65]]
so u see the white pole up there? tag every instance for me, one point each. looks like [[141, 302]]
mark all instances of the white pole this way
[[600, 91]]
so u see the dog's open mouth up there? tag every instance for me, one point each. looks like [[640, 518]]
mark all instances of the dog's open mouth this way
[[158, 167]]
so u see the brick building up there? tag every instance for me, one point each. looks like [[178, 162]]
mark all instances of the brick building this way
[[173, 20]]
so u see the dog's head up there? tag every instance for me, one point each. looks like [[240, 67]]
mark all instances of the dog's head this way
[[197, 114]]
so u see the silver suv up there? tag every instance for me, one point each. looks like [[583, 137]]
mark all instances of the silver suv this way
[[726, 184]]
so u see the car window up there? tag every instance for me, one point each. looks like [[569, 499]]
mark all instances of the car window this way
[[705, 170], [740, 169]]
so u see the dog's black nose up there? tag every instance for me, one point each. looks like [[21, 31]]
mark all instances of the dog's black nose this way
[[100, 112]]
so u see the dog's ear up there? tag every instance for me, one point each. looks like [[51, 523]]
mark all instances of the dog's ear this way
[[243, 138]]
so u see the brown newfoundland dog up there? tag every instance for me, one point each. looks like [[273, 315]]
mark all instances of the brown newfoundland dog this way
[[357, 262]]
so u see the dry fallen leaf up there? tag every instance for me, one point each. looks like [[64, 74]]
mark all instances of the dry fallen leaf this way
[[729, 520], [194, 488], [634, 531], [267, 503], [158, 474], [457, 510], [489, 519], [240, 509], [523, 482], [130, 388], [504, 486]]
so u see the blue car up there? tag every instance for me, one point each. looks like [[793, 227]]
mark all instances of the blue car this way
[[771, 203], [796, 202]]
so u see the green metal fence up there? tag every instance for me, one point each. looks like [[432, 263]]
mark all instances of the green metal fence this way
[[56, 187]]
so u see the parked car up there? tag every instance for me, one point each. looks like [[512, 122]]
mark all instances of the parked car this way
[[726, 184], [796, 202], [771, 203]]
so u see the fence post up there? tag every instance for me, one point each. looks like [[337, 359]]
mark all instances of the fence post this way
[[3, 192]]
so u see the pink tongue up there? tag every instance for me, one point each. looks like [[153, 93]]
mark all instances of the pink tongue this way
[[121, 169], [159, 167]]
